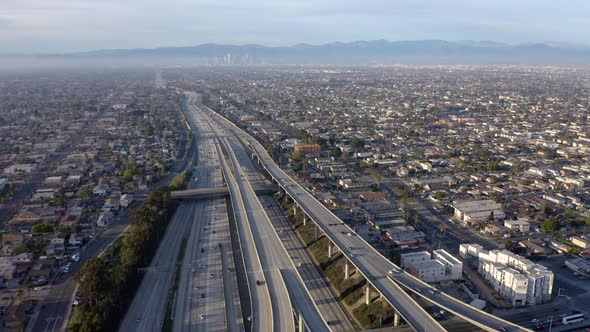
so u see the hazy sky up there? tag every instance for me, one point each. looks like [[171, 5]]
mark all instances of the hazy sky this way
[[79, 25]]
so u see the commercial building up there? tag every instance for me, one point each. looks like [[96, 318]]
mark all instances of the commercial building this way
[[440, 266], [514, 277], [471, 212]]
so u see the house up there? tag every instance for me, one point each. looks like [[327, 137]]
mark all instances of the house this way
[[101, 189], [75, 240], [56, 245], [126, 200], [105, 218], [494, 229]]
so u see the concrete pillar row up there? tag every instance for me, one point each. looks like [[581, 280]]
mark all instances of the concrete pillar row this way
[[368, 294], [346, 269]]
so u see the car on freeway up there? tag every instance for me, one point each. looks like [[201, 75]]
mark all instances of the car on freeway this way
[[418, 289], [394, 270]]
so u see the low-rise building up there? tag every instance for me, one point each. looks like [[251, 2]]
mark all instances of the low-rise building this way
[[471, 212], [514, 277], [440, 266], [580, 242], [518, 225]]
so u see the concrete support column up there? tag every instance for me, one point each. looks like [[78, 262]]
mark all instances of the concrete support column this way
[[368, 295], [396, 318], [316, 232], [329, 249], [304, 219], [346, 270], [301, 325]]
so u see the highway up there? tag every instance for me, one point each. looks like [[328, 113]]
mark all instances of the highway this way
[[147, 308], [206, 299], [272, 268], [324, 299], [362, 255]]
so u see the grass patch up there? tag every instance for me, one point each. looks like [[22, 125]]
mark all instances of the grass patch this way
[[350, 291]]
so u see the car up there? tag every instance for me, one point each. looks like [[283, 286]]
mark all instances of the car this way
[[432, 291], [373, 278], [202, 316], [349, 234], [436, 315], [190, 265], [194, 270], [259, 282], [76, 303], [394, 270], [502, 329], [418, 289], [300, 264], [211, 275]]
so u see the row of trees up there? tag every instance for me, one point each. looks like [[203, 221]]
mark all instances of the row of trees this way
[[108, 283]]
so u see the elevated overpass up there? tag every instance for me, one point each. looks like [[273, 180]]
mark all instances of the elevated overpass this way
[[218, 192], [363, 257]]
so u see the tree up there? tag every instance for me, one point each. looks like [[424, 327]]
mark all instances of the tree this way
[[85, 193], [335, 152], [546, 210], [357, 144], [19, 249], [59, 201], [42, 228], [550, 225], [438, 195]]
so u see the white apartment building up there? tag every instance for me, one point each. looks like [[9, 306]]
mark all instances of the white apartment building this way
[[453, 266], [514, 277], [428, 271], [467, 249], [414, 257], [519, 225], [471, 212], [440, 266]]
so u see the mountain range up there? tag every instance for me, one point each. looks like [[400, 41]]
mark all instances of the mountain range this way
[[358, 52]]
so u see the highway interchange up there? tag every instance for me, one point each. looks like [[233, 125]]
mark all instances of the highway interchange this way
[[284, 287]]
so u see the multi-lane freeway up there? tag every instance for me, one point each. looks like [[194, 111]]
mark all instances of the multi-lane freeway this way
[[367, 260]]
